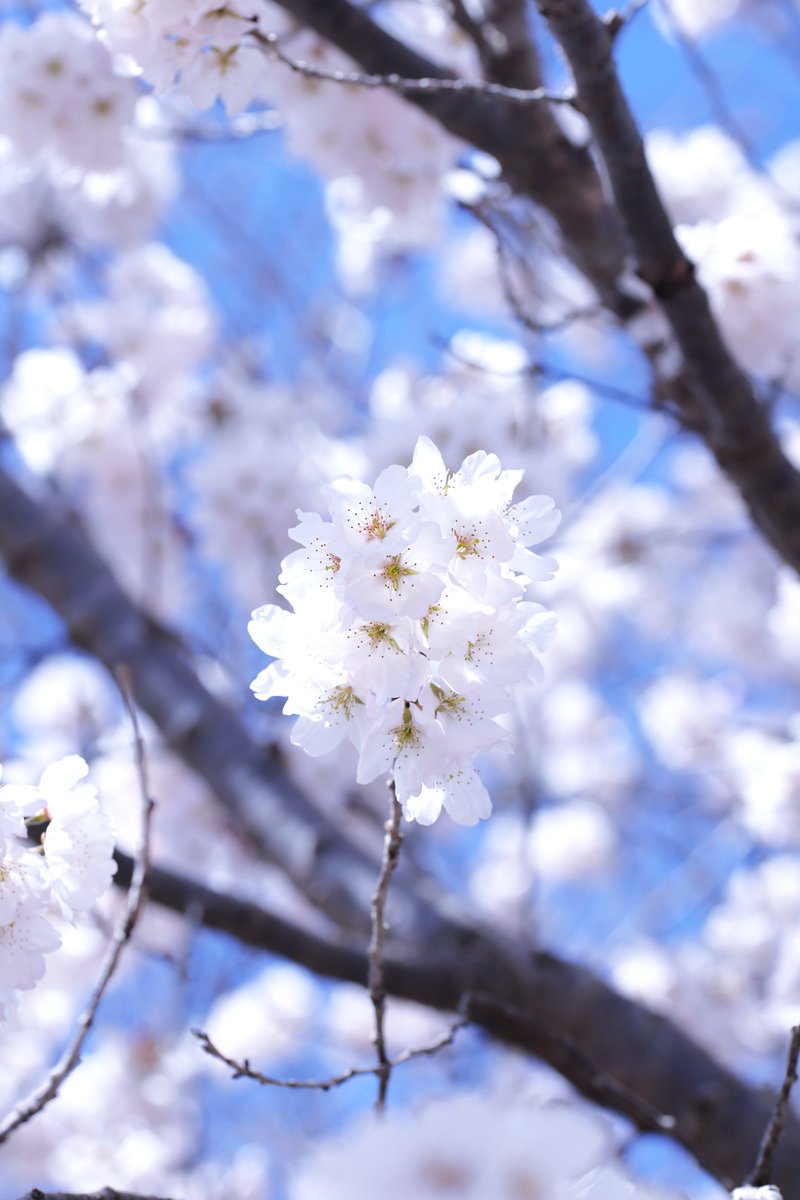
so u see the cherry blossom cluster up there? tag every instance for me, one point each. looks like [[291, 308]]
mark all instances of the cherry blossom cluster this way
[[70, 868], [411, 625], [203, 47], [61, 95], [739, 227]]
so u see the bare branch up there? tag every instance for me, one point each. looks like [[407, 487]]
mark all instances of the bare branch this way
[[49, 1089], [243, 1070], [762, 1171], [397, 83], [505, 271], [392, 842]]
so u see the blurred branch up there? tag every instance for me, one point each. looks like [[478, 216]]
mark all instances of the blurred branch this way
[[617, 19], [506, 48], [568, 1059], [104, 1194], [719, 106], [47, 1091], [538, 368], [717, 101]]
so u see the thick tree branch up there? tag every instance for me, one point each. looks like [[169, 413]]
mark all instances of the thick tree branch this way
[[610, 1048], [720, 399]]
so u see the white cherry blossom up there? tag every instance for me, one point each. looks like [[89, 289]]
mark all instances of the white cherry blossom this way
[[71, 868], [78, 847], [410, 625]]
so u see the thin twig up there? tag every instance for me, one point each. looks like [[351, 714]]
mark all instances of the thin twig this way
[[49, 1089], [762, 1171], [400, 83], [243, 1070], [377, 992]]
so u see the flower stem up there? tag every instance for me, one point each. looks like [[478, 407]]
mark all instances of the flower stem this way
[[391, 850]]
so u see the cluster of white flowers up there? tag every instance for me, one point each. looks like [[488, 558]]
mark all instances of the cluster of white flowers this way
[[410, 624], [156, 318], [245, 494], [471, 1146], [740, 227], [71, 868], [61, 95], [203, 47], [48, 204], [93, 432]]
